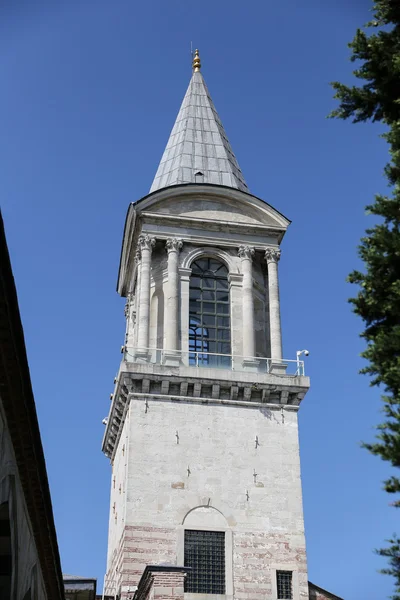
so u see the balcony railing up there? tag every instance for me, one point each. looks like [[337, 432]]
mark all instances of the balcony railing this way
[[212, 360]]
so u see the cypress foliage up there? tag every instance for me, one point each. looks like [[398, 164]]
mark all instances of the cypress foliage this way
[[377, 98]]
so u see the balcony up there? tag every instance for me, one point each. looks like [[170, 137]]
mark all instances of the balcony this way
[[211, 360]]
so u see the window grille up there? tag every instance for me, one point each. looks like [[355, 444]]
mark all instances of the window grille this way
[[209, 314], [205, 554], [284, 585]]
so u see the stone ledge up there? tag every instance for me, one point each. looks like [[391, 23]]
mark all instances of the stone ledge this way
[[274, 392], [213, 374]]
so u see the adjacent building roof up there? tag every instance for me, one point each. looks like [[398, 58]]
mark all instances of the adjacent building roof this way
[[79, 588], [19, 410], [318, 593], [198, 150]]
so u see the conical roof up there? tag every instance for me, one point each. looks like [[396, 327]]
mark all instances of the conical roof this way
[[198, 150]]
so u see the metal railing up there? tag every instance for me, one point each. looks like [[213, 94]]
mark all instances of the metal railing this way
[[213, 360]]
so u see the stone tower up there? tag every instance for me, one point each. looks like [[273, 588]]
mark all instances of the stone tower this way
[[202, 432]]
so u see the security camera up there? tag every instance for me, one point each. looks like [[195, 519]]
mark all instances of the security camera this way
[[105, 421], [306, 352]]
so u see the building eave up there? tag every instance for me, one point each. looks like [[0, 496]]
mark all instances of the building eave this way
[[20, 414]]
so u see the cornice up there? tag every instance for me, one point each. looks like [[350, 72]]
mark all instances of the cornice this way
[[213, 224], [206, 189], [144, 381]]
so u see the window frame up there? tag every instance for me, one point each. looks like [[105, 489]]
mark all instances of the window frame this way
[[228, 560], [295, 579], [289, 574], [219, 540]]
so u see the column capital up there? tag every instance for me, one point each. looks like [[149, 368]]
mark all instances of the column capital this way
[[173, 245], [272, 255], [146, 242], [246, 252]]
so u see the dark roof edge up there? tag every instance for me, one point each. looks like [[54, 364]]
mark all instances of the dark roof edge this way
[[79, 579], [167, 568], [20, 413]]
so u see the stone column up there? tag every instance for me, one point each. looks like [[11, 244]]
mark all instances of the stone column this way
[[173, 246], [249, 347], [137, 297], [272, 256], [145, 245]]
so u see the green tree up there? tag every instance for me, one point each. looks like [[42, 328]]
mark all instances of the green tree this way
[[377, 54]]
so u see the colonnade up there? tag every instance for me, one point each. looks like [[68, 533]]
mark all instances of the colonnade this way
[[173, 246]]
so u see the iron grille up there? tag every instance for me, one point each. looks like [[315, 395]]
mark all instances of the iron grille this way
[[284, 585], [205, 554]]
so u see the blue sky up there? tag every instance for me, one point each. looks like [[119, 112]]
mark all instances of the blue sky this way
[[90, 90]]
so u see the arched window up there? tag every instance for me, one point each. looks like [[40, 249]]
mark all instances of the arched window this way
[[209, 314]]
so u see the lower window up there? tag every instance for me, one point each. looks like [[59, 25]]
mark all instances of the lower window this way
[[205, 555], [284, 585]]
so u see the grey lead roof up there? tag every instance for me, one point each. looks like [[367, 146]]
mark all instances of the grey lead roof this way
[[198, 144]]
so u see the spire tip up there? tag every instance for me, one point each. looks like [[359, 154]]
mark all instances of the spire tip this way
[[196, 62]]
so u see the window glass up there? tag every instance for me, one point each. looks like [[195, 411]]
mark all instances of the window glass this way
[[209, 313]]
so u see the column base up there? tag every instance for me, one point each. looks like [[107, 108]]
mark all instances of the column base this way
[[141, 356], [251, 364], [171, 358], [278, 368]]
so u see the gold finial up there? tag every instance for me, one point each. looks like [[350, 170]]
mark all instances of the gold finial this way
[[196, 61]]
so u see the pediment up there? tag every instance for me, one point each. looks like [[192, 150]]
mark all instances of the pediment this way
[[214, 205]]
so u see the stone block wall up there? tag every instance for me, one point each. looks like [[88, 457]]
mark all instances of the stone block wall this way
[[196, 465], [138, 547], [161, 583]]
